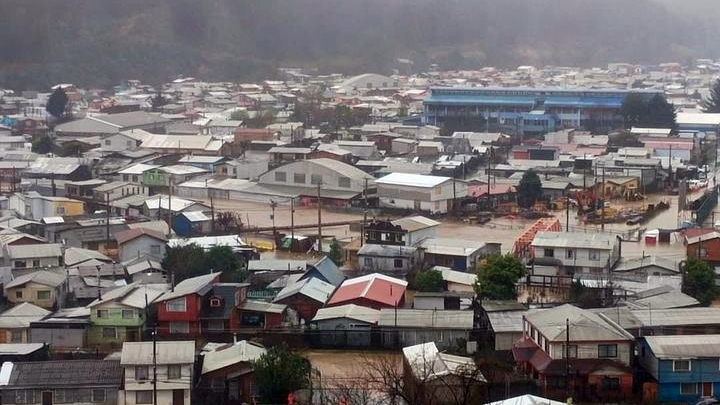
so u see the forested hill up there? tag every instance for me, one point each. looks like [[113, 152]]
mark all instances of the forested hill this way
[[100, 42]]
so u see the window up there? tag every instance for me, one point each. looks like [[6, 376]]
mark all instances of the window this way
[[102, 313], [368, 261], [217, 324], [344, 182], [43, 295], [20, 264], [688, 388], [18, 294], [128, 313], [126, 177], [60, 210], [36, 263], [605, 351], [438, 190], [299, 178], [16, 336], [174, 371], [570, 253], [63, 396], [143, 397], [109, 333], [681, 365], [611, 383], [593, 255], [571, 351], [315, 179], [215, 302], [549, 253], [24, 397], [702, 252], [155, 249], [141, 373], [280, 176], [398, 263], [177, 305], [179, 327], [98, 395]]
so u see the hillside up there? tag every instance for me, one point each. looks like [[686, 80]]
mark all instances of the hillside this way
[[99, 43]]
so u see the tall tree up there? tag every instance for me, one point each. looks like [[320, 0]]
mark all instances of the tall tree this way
[[280, 372], [712, 103], [699, 281], [529, 189], [158, 101], [633, 110], [336, 252], [497, 276], [429, 281], [224, 260], [661, 114], [185, 261], [56, 103]]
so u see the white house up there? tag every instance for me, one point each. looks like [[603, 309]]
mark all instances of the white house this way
[[434, 194], [577, 252], [172, 361]]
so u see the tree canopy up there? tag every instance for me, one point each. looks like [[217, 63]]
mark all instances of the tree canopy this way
[[224, 260], [192, 260], [529, 189], [639, 111], [56, 103], [429, 281], [712, 103], [336, 253], [279, 372], [699, 281], [497, 276]]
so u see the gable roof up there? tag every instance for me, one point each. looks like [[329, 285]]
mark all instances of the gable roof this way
[[43, 277], [228, 355], [313, 288], [65, 373], [349, 311], [427, 363], [589, 240], [426, 318], [411, 180], [130, 234], [196, 285], [326, 270], [226, 293], [132, 295], [375, 287], [584, 325], [684, 346], [415, 223], [21, 315], [141, 353]]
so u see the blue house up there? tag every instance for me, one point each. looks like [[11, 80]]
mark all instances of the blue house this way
[[192, 223], [685, 367]]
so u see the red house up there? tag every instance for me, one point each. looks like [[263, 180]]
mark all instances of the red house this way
[[703, 244], [305, 296], [375, 291], [178, 311]]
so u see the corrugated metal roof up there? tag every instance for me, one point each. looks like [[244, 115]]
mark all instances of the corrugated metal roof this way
[[276, 265], [527, 399], [43, 277], [451, 246], [411, 180], [676, 316], [586, 240], [584, 325], [21, 315], [458, 277], [194, 285], [350, 311], [183, 142], [376, 287], [208, 242], [141, 353], [415, 223], [65, 373], [263, 306], [427, 363], [195, 216], [228, 355], [311, 287], [684, 346], [144, 265], [138, 168], [55, 165], [426, 318]]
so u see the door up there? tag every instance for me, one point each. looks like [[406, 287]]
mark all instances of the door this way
[[707, 389], [178, 397], [47, 398]]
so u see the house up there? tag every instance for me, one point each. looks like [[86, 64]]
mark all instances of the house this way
[[58, 168], [458, 254], [408, 231], [577, 252], [705, 246], [43, 288], [227, 374], [116, 190], [326, 270], [504, 328], [432, 377], [434, 194], [35, 206], [64, 329], [120, 314], [457, 281], [258, 314], [124, 140], [671, 321], [389, 259], [305, 296], [442, 300], [684, 368], [178, 310], [167, 365], [82, 189], [599, 354], [192, 223], [371, 291], [407, 327], [17, 352], [15, 322], [145, 271], [26, 258], [219, 309], [62, 381], [345, 326], [140, 242], [644, 266]]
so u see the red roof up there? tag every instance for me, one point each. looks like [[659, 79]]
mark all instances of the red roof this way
[[130, 234], [384, 290]]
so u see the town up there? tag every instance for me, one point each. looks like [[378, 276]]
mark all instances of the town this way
[[505, 236]]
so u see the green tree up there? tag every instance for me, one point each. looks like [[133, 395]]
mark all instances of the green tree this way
[[239, 115], [158, 101], [224, 260], [699, 281], [56, 103], [42, 145], [261, 119], [497, 276], [661, 114], [633, 110], [712, 103], [529, 189], [336, 253], [429, 281], [185, 261], [279, 372]]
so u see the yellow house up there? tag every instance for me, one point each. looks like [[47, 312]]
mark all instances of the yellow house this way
[[42, 288], [61, 206], [15, 322], [619, 186]]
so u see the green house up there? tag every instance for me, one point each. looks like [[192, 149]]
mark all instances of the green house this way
[[119, 315]]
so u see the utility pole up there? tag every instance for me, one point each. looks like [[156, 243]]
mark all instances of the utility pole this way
[[292, 221], [154, 344], [170, 215], [273, 205], [319, 208], [567, 359], [567, 212], [365, 209], [107, 220], [602, 219]]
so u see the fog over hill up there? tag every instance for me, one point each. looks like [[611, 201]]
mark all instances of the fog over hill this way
[[99, 43]]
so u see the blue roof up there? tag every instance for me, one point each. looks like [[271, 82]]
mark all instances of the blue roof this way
[[480, 100]]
